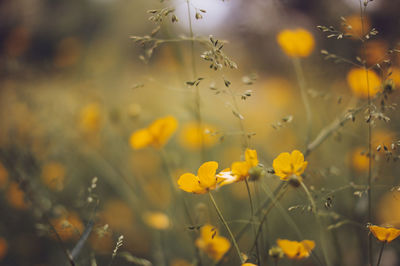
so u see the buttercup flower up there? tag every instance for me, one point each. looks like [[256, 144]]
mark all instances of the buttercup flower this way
[[205, 180], [384, 234], [296, 43], [295, 249], [289, 164], [211, 243], [357, 81], [240, 170], [194, 136], [156, 135], [156, 220]]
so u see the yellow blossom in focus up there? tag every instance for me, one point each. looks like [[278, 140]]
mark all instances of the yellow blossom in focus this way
[[289, 164], [295, 249], [53, 175], [68, 226], [90, 118], [357, 81], [205, 180], [249, 264], [384, 234], [356, 27], [211, 243], [156, 135], [16, 197], [239, 170], [296, 43], [3, 176], [193, 136], [156, 220]]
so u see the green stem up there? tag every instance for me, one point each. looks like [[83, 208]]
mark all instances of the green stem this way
[[380, 254], [221, 217], [319, 222], [302, 84], [252, 219]]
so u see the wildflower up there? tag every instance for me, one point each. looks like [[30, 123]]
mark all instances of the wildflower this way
[[249, 264], [384, 234], [53, 175], [360, 160], [3, 176], [205, 180], [68, 226], [157, 220], [241, 170], [211, 243], [90, 118], [295, 249], [296, 43], [287, 165], [193, 136], [3, 248], [357, 81], [388, 208], [156, 135], [16, 197]]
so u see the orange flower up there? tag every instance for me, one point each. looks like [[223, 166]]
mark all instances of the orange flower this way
[[16, 197], [356, 27], [53, 175], [68, 226], [296, 43], [384, 234], [3, 248], [359, 160], [205, 180], [289, 164], [156, 135], [157, 220], [211, 243], [240, 170], [295, 249], [357, 81]]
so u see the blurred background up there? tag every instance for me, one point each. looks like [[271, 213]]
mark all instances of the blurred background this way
[[74, 86]]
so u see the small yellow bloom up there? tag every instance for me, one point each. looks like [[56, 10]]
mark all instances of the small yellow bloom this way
[[288, 164], [157, 220], [69, 226], [295, 249], [359, 160], [205, 180], [194, 136], [211, 243], [53, 175], [357, 81], [239, 170], [384, 234], [156, 135], [90, 118], [296, 43], [249, 264], [16, 197]]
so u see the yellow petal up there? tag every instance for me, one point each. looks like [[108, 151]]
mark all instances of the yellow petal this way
[[307, 246], [206, 174], [357, 81], [384, 234], [140, 139], [240, 169], [290, 248], [162, 129], [220, 245], [298, 162], [282, 166], [251, 157], [190, 183], [393, 234]]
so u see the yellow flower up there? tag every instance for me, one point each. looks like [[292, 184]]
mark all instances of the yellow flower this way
[[157, 220], [68, 226], [240, 170], [16, 196], [205, 180], [288, 164], [194, 136], [359, 159], [156, 135], [53, 175], [384, 234], [296, 43], [211, 243], [249, 264], [357, 81], [90, 118], [295, 249]]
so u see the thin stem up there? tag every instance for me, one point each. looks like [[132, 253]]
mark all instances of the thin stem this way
[[221, 217], [252, 219], [245, 141], [380, 254], [315, 211], [362, 11], [300, 78]]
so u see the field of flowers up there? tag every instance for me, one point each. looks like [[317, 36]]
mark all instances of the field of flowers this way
[[199, 132]]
